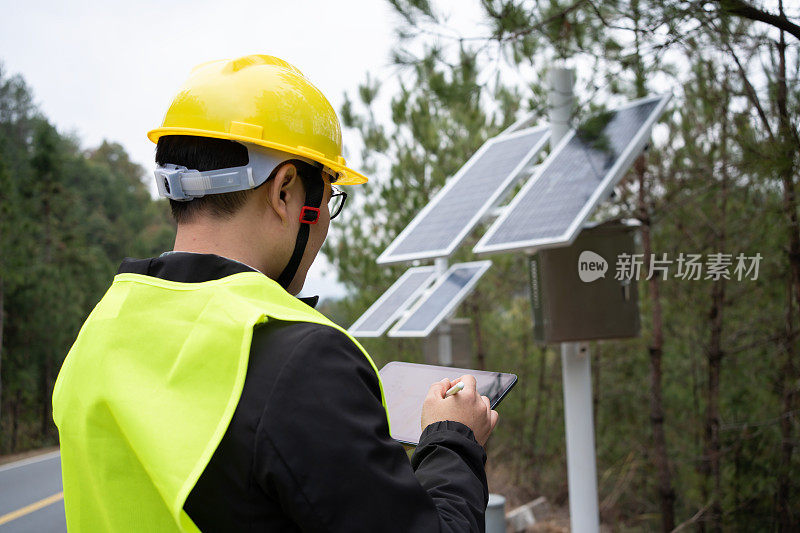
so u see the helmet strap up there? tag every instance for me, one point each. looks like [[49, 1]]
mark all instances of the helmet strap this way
[[315, 189]]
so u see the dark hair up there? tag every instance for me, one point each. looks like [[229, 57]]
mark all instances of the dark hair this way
[[203, 153]]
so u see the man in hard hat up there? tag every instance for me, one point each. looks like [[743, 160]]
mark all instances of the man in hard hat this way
[[202, 394]]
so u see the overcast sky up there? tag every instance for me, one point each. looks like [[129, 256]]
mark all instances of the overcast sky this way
[[108, 70]]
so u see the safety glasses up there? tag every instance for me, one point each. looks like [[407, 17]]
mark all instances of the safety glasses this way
[[336, 202]]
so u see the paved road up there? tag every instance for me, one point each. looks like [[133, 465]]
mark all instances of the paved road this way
[[30, 495]]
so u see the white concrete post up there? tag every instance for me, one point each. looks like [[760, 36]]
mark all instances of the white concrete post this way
[[581, 468], [561, 101], [445, 338], [575, 361]]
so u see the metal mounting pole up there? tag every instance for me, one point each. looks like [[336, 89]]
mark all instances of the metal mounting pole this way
[[561, 101], [581, 469], [575, 362], [445, 338]]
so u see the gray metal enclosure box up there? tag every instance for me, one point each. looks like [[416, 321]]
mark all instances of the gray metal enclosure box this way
[[567, 309], [461, 338]]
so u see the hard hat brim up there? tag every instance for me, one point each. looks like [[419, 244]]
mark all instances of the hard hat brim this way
[[347, 176]]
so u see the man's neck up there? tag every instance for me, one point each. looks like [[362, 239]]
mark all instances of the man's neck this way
[[232, 243]]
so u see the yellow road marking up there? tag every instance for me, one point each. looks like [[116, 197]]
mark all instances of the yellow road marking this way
[[28, 509]]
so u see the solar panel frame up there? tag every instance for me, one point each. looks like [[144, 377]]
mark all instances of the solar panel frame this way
[[397, 330], [388, 256], [353, 329], [614, 174]]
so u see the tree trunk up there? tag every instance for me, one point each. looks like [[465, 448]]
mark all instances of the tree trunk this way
[[786, 522], [790, 371], [712, 440], [595, 380], [476, 324], [655, 350], [738, 465], [49, 191], [789, 142], [537, 407], [44, 398], [2, 315], [15, 421], [522, 436], [713, 448]]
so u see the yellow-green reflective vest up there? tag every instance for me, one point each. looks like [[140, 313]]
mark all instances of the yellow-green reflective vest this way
[[148, 390]]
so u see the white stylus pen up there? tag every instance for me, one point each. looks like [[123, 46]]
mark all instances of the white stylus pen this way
[[454, 389]]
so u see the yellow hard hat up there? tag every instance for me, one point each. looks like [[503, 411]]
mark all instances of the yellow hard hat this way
[[262, 100]]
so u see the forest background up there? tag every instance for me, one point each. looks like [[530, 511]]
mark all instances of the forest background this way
[[697, 421]]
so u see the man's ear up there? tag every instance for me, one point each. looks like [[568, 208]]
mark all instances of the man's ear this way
[[282, 191]]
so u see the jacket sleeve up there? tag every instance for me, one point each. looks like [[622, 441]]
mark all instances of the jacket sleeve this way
[[324, 452]]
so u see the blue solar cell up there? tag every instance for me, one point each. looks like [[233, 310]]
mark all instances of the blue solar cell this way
[[445, 295], [393, 302], [444, 223], [550, 208]]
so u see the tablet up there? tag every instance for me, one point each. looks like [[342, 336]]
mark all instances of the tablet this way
[[405, 386]]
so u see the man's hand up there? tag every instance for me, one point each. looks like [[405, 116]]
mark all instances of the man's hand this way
[[467, 407]]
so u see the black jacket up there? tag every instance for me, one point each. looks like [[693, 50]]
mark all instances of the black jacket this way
[[308, 447]]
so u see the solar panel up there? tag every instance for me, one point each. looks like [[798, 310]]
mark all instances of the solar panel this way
[[448, 291], [579, 173], [393, 302], [452, 213]]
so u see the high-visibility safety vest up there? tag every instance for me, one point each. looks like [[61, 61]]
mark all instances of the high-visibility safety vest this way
[[148, 389]]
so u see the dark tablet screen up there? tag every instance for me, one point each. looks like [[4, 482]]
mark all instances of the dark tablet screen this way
[[406, 384]]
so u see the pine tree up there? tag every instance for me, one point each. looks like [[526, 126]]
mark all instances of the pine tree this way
[[720, 177], [67, 218]]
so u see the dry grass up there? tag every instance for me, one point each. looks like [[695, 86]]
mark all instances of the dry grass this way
[[551, 517], [12, 457]]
